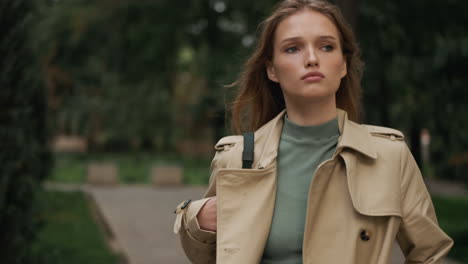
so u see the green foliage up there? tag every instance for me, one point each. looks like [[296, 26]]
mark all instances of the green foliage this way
[[109, 65], [133, 167], [451, 213], [115, 69], [23, 157], [416, 55], [70, 234]]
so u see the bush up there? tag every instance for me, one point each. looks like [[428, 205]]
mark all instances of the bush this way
[[68, 215], [24, 158], [451, 212]]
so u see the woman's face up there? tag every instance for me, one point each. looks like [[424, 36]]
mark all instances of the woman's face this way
[[308, 61]]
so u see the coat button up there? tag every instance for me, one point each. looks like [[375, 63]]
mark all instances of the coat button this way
[[364, 235]]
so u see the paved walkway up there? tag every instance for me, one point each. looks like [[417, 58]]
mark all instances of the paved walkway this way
[[140, 219], [445, 188]]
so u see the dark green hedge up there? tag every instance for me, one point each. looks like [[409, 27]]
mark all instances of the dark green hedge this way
[[416, 55], [24, 157]]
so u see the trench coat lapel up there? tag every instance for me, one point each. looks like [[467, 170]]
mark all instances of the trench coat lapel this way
[[267, 141], [353, 136]]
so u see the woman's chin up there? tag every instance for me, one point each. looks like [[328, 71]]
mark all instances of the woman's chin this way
[[316, 94]]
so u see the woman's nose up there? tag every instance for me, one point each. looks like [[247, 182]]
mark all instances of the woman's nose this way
[[311, 59]]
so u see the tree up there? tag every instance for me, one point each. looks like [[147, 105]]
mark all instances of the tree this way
[[24, 156], [415, 53], [119, 70]]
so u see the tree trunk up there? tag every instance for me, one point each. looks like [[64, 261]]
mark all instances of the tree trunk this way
[[415, 131]]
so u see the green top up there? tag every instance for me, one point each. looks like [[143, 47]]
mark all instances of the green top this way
[[301, 150]]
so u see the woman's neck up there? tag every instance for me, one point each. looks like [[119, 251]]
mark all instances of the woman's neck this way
[[311, 114]]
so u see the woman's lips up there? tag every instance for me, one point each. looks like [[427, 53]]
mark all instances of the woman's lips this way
[[312, 76]]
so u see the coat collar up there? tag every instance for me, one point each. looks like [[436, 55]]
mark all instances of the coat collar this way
[[353, 136]]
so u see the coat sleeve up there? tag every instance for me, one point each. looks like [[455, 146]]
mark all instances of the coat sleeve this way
[[199, 245], [420, 237]]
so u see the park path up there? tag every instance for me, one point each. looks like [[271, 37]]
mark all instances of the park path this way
[[139, 219]]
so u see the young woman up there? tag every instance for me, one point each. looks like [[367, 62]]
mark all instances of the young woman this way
[[322, 188]]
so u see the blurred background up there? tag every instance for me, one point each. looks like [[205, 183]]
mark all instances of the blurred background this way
[[115, 93]]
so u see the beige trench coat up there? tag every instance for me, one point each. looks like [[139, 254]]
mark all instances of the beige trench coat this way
[[369, 194]]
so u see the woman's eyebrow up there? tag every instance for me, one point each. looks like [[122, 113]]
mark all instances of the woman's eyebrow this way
[[327, 37], [290, 39], [321, 37]]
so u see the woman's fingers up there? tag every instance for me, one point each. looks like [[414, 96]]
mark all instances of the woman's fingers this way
[[207, 215]]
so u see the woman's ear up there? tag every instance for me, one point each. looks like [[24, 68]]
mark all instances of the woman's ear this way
[[344, 69], [271, 72]]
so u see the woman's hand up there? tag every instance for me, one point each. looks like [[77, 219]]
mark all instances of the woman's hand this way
[[206, 217]]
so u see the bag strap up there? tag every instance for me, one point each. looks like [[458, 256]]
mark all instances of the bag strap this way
[[248, 152]]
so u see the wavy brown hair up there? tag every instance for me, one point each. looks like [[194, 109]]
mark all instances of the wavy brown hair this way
[[259, 99]]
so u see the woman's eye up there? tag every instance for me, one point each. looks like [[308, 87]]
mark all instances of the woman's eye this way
[[327, 48], [291, 49]]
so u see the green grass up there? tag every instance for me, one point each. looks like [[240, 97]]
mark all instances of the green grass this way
[[452, 214], [133, 167], [69, 233]]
